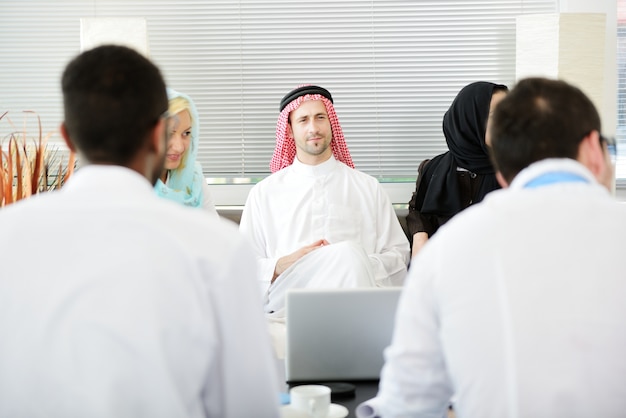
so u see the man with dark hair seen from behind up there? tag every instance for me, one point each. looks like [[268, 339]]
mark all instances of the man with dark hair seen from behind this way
[[113, 301], [516, 307]]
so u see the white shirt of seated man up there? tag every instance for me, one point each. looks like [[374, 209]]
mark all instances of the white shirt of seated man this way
[[507, 309], [316, 221]]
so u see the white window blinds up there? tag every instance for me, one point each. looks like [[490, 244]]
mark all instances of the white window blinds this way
[[620, 134], [393, 67]]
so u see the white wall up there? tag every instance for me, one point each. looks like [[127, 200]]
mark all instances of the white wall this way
[[608, 112]]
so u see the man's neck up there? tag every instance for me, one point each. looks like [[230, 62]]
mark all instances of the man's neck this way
[[308, 159]]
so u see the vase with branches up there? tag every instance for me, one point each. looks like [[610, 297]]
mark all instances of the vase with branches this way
[[29, 164]]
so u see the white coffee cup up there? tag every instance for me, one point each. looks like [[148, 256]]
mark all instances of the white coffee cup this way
[[312, 399]]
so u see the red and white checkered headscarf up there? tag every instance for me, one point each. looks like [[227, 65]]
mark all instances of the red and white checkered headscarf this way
[[285, 150]]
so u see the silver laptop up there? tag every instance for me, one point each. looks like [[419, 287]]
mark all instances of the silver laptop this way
[[338, 334]]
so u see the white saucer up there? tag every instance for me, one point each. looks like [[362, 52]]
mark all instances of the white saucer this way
[[335, 411]]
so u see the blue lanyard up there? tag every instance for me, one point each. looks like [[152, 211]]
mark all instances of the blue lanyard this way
[[555, 177]]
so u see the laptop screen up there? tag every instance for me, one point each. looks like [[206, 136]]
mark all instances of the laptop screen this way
[[338, 334]]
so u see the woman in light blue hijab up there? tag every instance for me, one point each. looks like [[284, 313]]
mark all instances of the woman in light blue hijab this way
[[182, 179]]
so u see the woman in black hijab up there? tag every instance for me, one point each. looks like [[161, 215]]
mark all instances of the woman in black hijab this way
[[462, 176]]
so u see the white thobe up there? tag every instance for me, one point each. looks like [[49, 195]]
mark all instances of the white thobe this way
[[516, 308], [301, 204], [117, 303]]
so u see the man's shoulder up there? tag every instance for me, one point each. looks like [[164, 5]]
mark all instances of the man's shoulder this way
[[359, 175], [196, 220], [271, 180], [35, 205], [192, 232]]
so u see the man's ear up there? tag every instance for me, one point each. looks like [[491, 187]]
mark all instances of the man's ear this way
[[591, 154], [66, 137], [503, 183], [158, 137]]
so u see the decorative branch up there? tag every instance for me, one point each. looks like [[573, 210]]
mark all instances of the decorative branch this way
[[26, 169]]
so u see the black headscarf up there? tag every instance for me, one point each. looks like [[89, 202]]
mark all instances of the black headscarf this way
[[464, 126]]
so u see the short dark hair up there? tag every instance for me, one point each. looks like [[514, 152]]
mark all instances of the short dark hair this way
[[112, 96], [540, 118]]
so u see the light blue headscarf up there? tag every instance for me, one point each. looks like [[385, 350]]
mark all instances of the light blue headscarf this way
[[184, 184]]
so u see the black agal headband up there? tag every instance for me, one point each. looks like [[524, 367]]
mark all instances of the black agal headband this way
[[302, 91]]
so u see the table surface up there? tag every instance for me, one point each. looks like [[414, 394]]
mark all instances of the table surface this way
[[364, 390]]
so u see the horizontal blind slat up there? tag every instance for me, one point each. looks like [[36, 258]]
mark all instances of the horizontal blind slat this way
[[393, 67]]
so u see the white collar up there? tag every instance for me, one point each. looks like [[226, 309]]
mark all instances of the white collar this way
[[551, 165], [108, 179], [318, 170]]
